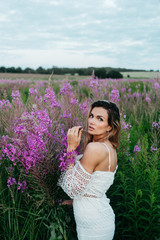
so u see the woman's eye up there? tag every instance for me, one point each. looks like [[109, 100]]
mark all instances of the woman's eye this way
[[91, 115], [100, 119]]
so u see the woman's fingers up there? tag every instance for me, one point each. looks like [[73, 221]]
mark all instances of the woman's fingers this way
[[80, 133], [77, 130], [74, 130], [74, 137]]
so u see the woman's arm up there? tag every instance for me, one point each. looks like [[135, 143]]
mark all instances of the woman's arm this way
[[76, 179], [73, 140]]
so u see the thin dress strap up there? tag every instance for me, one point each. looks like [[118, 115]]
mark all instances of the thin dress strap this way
[[109, 154]]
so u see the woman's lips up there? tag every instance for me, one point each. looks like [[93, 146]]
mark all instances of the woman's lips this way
[[90, 128]]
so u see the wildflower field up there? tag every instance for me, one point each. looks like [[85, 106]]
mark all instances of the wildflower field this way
[[34, 119]]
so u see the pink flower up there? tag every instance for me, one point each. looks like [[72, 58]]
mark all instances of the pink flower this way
[[5, 104], [50, 98], [153, 149], [29, 144], [15, 96], [136, 149], [11, 181], [67, 159], [148, 99], [94, 83], [22, 185], [74, 101], [136, 94], [156, 124], [66, 114], [126, 126], [32, 91], [83, 107], [157, 86], [114, 96], [66, 88], [123, 90]]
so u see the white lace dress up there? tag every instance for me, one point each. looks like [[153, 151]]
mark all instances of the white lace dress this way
[[95, 219]]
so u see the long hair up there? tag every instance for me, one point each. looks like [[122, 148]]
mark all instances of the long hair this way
[[113, 121]]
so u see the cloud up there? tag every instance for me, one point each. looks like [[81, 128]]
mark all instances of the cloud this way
[[120, 30], [111, 4], [48, 58], [4, 18]]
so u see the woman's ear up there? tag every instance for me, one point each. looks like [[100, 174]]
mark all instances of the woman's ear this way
[[109, 128]]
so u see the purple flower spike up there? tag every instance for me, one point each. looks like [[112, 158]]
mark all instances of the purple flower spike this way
[[136, 149], [115, 96]]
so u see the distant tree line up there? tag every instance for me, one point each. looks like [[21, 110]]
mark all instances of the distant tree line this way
[[103, 72]]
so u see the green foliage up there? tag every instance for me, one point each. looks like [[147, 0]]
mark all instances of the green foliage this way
[[25, 216], [137, 86], [135, 195], [36, 215], [114, 74], [101, 73], [24, 94], [56, 88], [129, 73], [84, 92], [74, 83]]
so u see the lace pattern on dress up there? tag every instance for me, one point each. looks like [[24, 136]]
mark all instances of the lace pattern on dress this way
[[75, 180]]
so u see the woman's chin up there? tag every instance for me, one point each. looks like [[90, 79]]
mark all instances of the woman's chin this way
[[90, 131]]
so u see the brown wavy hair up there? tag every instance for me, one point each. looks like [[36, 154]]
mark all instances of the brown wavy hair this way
[[113, 121]]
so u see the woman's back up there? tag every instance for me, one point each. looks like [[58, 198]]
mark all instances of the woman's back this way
[[110, 162], [100, 180]]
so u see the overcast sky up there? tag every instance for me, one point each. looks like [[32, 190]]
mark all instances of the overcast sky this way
[[72, 33]]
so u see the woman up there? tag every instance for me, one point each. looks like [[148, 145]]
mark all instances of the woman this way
[[87, 180]]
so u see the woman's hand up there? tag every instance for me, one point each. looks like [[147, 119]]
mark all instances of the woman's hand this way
[[67, 202], [73, 138]]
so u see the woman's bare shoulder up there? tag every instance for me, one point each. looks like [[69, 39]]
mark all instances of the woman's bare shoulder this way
[[93, 155], [95, 146], [96, 149]]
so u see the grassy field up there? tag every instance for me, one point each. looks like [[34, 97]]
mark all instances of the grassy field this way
[[34, 120], [31, 76], [136, 75], [143, 75]]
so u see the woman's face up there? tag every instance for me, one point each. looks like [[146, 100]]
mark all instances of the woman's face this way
[[98, 123]]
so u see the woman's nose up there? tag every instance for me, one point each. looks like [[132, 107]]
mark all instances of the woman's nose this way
[[92, 121]]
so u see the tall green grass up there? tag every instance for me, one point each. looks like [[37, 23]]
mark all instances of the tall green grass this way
[[135, 194]]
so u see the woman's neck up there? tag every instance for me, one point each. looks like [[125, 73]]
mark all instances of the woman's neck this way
[[99, 138]]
